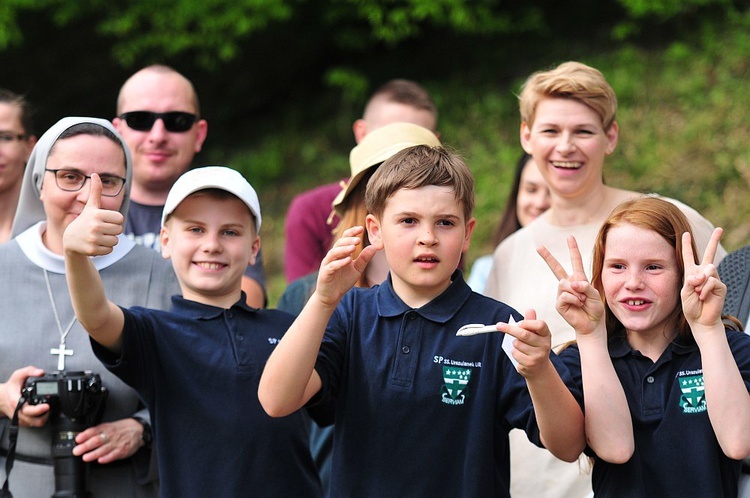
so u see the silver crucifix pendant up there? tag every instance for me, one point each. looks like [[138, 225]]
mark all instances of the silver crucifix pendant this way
[[61, 353]]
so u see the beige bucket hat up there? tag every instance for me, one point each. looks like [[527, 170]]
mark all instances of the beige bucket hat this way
[[379, 145]]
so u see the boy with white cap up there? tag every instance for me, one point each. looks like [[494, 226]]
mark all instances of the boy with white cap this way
[[197, 368]]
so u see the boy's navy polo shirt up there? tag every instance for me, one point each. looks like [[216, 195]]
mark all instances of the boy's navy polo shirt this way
[[197, 369], [419, 411], [676, 450]]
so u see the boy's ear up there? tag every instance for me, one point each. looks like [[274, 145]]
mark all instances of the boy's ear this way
[[372, 224], [164, 238], [470, 226], [254, 251]]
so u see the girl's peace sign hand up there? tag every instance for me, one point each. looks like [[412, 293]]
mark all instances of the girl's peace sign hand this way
[[577, 300], [702, 292]]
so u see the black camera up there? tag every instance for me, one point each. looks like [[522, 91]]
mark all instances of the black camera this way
[[76, 401]]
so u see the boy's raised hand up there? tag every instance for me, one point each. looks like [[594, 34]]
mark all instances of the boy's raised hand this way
[[338, 271], [94, 232], [702, 292], [533, 344], [577, 300]]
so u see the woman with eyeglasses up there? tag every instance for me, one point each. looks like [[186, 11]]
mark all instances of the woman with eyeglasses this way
[[39, 334], [16, 141]]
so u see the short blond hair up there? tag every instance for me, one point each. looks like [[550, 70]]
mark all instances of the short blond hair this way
[[569, 80]]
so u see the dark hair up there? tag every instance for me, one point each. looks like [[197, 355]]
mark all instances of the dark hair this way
[[509, 222], [27, 112]]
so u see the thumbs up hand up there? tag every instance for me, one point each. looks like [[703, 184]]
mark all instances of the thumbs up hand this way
[[94, 232]]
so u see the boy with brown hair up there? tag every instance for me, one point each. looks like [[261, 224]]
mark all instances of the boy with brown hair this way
[[197, 367], [419, 411]]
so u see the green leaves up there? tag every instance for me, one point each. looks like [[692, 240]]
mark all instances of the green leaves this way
[[216, 30]]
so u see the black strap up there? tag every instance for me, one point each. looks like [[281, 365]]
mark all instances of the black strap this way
[[13, 439], [30, 459]]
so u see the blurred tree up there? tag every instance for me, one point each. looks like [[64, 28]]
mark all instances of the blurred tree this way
[[325, 38], [259, 56], [214, 29]]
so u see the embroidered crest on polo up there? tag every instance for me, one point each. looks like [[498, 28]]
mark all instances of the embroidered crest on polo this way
[[456, 376], [693, 399], [455, 379]]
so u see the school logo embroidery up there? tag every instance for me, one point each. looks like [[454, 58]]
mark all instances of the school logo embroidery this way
[[693, 399], [456, 380]]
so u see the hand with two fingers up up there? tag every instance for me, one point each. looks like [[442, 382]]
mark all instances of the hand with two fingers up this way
[[702, 292], [578, 302]]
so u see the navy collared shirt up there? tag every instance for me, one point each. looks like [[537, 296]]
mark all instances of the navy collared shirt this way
[[419, 411], [676, 450], [197, 369]]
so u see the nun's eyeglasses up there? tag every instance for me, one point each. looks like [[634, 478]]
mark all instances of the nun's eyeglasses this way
[[175, 121], [71, 180]]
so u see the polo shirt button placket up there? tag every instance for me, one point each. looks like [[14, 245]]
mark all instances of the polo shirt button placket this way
[[407, 349]]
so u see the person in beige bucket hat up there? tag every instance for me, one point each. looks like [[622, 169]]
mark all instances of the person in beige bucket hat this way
[[308, 226], [378, 146]]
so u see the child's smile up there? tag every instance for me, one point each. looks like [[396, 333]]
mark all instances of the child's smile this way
[[641, 280], [210, 241]]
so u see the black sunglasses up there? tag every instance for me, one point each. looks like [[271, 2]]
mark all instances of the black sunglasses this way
[[175, 121]]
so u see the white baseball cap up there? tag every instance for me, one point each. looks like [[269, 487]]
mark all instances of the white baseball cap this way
[[219, 177]]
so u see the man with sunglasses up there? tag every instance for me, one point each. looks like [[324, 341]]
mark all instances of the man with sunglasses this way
[[16, 141], [158, 115]]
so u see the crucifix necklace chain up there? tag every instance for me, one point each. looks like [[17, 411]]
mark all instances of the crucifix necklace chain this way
[[60, 351]]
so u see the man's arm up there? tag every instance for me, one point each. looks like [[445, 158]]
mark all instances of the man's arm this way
[[307, 234], [93, 233], [289, 379]]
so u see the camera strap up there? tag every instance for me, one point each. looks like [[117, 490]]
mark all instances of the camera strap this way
[[13, 439]]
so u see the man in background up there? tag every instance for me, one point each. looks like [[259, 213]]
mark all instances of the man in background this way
[[158, 115], [310, 219]]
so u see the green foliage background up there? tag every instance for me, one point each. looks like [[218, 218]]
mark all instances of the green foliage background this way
[[281, 81]]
